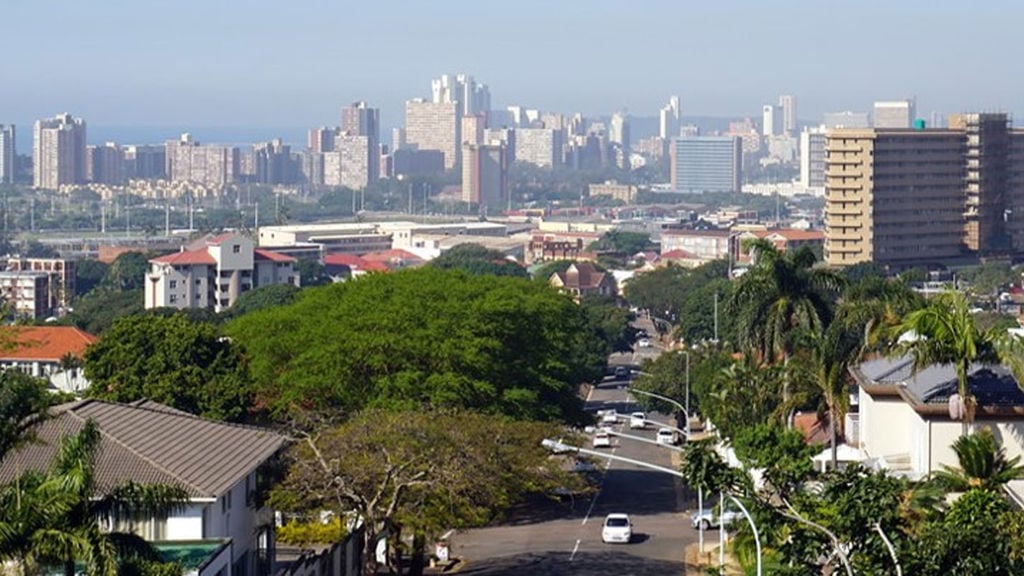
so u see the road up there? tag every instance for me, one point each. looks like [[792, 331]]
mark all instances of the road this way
[[551, 538]]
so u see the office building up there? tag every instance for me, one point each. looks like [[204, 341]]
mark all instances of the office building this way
[[320, 140], [361, 120], [434, 126], [893, 196], [768, 120], [145, 162], [105, 164], [272, 163], [847, 119], [787, 104], [8, 154], [668, 119], [58, 152], [485, 177], [894, 114], [812, 158], [214, 165], [472, 97], [618, 130], [539, 146], [707, 164]]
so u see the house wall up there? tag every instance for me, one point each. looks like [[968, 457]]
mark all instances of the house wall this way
[[187, 524], [190, 286], [231, 516], [885, 425], [943, 434], [219, 565]]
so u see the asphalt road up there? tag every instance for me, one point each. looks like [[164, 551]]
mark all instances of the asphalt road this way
[[565, 538]]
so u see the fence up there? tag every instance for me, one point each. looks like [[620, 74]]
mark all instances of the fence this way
[[344, 558]]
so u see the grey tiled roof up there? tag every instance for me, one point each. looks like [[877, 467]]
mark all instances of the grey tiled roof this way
[[152, 443], [991, 385]]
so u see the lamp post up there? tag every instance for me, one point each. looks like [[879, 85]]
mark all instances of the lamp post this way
[[559, 446], [666, 399]]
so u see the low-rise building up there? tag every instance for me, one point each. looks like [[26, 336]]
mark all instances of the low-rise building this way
[[54, 353], [60, 271], [583, 279], [214, 276], [26, 294]]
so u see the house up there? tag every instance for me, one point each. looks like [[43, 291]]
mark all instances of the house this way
[[904, 422], [221, 466], [213, 276], [704, 245], [680, 257], [582, 279], [51, 352], [783, 239], [342, 267]]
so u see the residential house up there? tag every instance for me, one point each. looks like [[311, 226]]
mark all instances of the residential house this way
[[342, 267], [221, 466], [213, 276], [583, 279], [705, 245], [783, 239], [51, 352]]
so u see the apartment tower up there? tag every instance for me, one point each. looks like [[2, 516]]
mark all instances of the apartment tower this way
[[8, 154], [58, 152], [434, 126]]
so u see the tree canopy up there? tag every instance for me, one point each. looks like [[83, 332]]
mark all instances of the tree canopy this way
[[424, 337], [476, 259]]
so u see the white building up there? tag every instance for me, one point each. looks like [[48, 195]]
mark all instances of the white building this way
[[812, 158], [896, 114], [768, 120], [26, 293], [53, 353], [214, 276]]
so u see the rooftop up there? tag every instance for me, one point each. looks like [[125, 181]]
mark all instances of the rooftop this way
[[45, 342]]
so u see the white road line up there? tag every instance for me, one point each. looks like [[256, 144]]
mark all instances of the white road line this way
[[574, 550]]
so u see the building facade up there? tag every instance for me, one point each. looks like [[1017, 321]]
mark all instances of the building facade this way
[[145, 162], [539, 146], [485, 177], [707, 164], [8, 154], [360, 120], [812, 158], [62, 273], [105, 164], [188, 161], [434, 126], [26, 293], [58, 152], [787, 104], [214, 276], [894, 114]]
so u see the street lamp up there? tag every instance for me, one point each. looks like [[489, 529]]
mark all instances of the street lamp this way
[[666, 399], [558, 446]]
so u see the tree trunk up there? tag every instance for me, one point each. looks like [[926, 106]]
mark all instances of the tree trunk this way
[[419, 550]]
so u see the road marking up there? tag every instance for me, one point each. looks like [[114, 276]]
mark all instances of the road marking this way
[[574, 549]]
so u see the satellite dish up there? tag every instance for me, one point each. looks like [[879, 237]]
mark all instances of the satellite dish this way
[[956, 407]]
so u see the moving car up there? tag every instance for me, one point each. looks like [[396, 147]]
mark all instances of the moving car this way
[[617, 528], [609, 417], [707, 518], [602, 440], [666, 436], [638, 420]]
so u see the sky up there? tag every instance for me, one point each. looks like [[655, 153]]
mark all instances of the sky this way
[[295, 63]]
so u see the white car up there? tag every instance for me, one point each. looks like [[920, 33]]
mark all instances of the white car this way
[[666, 436], [602, 440], [609, 418], [644, 342], [707, 518], [617, 528], [638, 421]]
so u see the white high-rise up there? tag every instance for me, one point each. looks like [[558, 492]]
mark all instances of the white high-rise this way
[[894, 114], [58, 152], [473, 97], [787, 103], [7, 154], [768, 120], [668, 119]]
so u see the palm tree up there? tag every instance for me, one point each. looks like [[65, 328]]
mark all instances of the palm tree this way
[[55, 516], [944, 332], [876, 305], [983, 464]]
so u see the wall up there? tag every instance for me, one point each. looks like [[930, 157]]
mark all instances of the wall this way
[[187, 524], [885, 425]]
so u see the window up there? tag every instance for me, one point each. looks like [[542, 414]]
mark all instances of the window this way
[[236, 248], [174, 284], [173, 299]]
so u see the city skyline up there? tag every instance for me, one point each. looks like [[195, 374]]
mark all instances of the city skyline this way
[[271, 65]]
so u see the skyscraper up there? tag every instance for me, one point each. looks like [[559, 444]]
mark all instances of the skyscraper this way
[[214, 165], [361, 120], [434, 126], [58, 152], [707, 164], [472, 97], [538, 146], [105, 164], [787, 103], [668, 119], [894, 114], [321, 139], [485, 176], [618, 130], [768, 120], [812, 158], [8, 154]]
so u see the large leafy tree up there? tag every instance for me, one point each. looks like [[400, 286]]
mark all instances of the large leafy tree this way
[[944, 332], [424, 337], [420, 472], [476, 259], [172, 360], [23, 402], [97, 311]]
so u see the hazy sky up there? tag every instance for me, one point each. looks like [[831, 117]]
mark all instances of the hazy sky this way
[[289, 63]]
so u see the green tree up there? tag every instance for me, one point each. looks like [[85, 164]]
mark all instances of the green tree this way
[[170, 360], [88, 275], [312, 273], [421, 472], [944, 332], [424, 337], [983, 464], [99, 309], [127, 272], [263, 297], [476, 259], [610, 321], [782, 453], [23, 403]]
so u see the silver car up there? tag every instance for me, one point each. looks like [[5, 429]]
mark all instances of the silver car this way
[[710, 518]]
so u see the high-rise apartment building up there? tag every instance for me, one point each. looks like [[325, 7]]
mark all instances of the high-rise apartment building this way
[[894, 114], [321, 139], [787, 104], [8, 154], [105, 164], [707, 164], [434, 126], [485, 176], [359, 119], [58, 152], [214, 165], [346, 165], [812, 158], [539, 146], [847, 119], [273, 164], [668, 119], [145, 162], [471, 96], [768, 120], [618, 130], [473, 128]]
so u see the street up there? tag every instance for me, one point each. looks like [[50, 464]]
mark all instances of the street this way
[[565, 538]]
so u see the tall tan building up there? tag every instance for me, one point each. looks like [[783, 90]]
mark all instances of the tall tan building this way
[[58, 152], [485, 176], [360, 120], [214, 165], [893, 196], [434, 126]]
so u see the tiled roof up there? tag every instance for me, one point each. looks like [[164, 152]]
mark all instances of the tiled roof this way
[[678, 254], [187, 257], [152, 443], [581, 276], [355, 262], [392, 256], [260, 254], [991, 385], [45, 342], [217, 240]]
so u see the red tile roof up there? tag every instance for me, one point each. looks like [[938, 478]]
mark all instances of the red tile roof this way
[[188, 257], [355, 262], [260, 254], [393, 256], [44, 342], [678, 254]]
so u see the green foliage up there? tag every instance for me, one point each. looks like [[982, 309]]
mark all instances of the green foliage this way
[[742, 395], [989, 278], [311, 273], [127, 272], [140, 567], [784, 455], [610, 321], [171, 360], [88, 275], [983, 464], [298, 533], [476, 259], [23, 402], [697, 314], [666, 291], [623, 242], [424, 337], [99, 309], [263, 297]]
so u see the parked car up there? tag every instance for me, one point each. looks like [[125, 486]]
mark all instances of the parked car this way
[[621, 372], [617, 528], [707, 518], [638, 420], [644, 342], [667, 436], [602, 440]]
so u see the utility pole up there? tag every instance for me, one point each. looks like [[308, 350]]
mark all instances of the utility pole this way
[[716, 317]]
